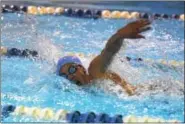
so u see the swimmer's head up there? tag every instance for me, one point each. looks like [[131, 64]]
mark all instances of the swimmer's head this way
[[71, 68]]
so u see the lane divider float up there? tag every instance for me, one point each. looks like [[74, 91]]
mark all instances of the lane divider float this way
[[147, 60], [33, 53], [74, 116], [18, 52], [87, 13]]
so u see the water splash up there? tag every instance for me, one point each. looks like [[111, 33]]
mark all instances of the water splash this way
[[53, 39]]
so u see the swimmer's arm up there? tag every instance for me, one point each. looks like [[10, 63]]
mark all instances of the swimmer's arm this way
[[99, 64], [115, 42], [118, 80]]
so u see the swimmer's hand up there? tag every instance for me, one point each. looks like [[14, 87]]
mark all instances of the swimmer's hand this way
[[133, 29], [130, 89]]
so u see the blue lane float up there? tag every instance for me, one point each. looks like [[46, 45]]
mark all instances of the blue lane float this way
[[98, 12], [165, 16], [5, 8], [23, 8], [102, 118], [87, 12], [87, 117], [14, 8], [175, 16], [117, 119], [156, 16], [144, 16], [6, 110], [14, 52], [26, 53], [21, 53], [78, 13], [73, 117], [68, 11]]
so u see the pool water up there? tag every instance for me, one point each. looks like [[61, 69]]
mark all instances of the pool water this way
[[33, 82]]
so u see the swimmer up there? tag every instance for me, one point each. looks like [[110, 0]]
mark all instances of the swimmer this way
[[71, 67]]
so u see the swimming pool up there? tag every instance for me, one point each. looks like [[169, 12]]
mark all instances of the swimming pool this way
[[33, 82]]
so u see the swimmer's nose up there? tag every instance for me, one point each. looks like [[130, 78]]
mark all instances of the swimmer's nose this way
[[82, 76]]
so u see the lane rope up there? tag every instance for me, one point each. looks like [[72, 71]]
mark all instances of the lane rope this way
[[74, 116], [87, 13], [33, 53]]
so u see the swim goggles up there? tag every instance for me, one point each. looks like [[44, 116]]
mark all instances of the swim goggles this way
[[71, 70]]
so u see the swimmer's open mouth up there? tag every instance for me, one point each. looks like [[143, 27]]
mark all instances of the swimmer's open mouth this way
[[78, 83], [146, 28]]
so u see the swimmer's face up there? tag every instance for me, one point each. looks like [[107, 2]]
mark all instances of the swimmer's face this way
[[74, 72]]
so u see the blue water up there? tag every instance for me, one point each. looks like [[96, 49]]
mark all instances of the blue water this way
[[31, 82]]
